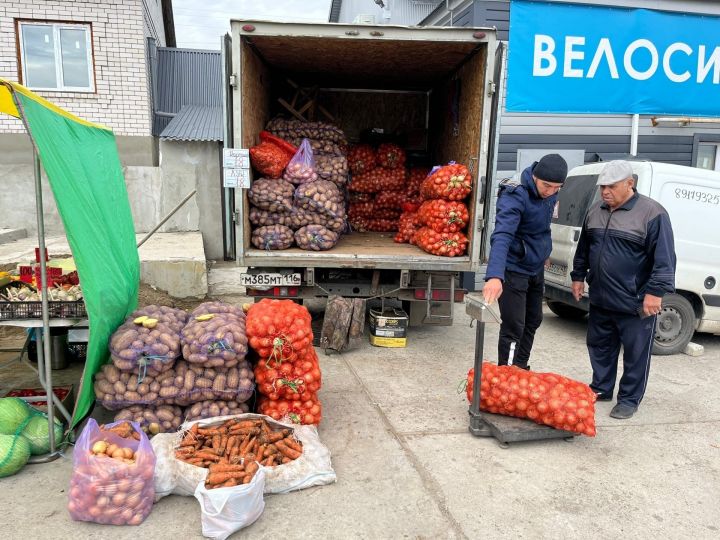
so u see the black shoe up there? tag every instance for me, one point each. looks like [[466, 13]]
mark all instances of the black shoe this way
[[521, 366], [602, 396], [622, 412]]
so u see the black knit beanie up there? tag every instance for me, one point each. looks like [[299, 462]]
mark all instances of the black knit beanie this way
[[551, 168]]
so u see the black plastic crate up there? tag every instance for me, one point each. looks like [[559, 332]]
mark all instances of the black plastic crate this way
[[77, 351], [33, 310]]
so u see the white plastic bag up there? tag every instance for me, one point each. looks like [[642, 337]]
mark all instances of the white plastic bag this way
[[224, 511], [312, 468]]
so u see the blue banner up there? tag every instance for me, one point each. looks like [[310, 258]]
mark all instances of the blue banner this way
[[571, 58]]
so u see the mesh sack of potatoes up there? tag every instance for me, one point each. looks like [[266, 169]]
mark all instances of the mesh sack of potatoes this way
[[271, 195], [153, 419], [215, 340], [193, 383], [214, 407], [272, 237], [144, 345]]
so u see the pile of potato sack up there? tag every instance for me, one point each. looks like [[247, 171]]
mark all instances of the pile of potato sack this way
[[169, 366], [298, 198]]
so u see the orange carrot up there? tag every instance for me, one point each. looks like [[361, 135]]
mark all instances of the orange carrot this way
[[222, 477], [290, 442], [287, 451]]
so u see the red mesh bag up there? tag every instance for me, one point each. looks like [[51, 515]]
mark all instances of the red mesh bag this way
[[545, 398], [269, 159], [443, 244], [408, 225], [279, 329], [379, 179], [452, 182], [390, 155], [361, 159], [289, 380], [389, 199], [305, 410], [444, 216]]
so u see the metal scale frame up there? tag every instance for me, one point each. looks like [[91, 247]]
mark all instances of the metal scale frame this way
[[506, 429]]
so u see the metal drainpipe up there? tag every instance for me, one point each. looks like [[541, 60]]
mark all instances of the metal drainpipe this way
[[634, 132]]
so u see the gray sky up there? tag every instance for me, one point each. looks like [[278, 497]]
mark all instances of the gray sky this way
[[200, 23]]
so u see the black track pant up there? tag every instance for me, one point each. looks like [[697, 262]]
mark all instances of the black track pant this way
[[607, 330], [521, 312]]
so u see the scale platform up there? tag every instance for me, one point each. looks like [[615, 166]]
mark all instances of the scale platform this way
[[506, 429]]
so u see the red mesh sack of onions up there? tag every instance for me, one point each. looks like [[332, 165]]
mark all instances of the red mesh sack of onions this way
[[279, 330], [442, 244], [408, 226], [390, 155], [545, 398], [361, 158], [379, 179], [390, 199], [452, 182], [444, 216]]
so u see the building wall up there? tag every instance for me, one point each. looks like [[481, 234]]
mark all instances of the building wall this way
[[153, 192], [153, 21], [604, 136], [402, 12], [121, 99]]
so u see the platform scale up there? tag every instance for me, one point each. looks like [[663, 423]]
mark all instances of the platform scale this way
[[506, 429]]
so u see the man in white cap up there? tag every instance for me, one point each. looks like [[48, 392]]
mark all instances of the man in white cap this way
[[626, 251]]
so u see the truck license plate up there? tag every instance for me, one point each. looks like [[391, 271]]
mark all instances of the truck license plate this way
[[270, 280], [559, 269]]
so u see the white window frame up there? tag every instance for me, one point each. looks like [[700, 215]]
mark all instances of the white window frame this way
[[61, 87]]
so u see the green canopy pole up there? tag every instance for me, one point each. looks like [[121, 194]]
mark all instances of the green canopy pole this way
[[43, 349]]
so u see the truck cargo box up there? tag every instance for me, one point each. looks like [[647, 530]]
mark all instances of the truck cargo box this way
[[432, 84]]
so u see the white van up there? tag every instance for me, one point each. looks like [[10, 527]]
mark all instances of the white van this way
[[691, 197]]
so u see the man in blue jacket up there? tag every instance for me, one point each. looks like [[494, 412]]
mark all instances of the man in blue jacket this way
[[519, 248], [627, 253]]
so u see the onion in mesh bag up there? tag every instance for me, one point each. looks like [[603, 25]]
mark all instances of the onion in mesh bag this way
[[316, 238], [215, 340], [272, 237]]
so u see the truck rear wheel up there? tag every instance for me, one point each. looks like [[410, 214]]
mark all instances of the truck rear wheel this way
[[675, 325], [565, 311]]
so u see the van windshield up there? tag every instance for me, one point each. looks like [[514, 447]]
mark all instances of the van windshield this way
[[574, 199]]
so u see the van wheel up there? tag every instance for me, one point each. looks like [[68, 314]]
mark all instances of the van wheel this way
[[675, 325], [565, 311]]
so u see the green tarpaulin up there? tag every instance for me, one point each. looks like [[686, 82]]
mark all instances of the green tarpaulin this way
[[83, 167]]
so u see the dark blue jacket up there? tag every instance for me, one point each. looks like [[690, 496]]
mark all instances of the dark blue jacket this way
[[625, 254], [521, 239]]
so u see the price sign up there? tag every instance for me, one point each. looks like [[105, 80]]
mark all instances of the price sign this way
[[236, 168]]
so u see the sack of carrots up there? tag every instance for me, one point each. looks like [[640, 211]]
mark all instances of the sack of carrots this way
[[229, 451]]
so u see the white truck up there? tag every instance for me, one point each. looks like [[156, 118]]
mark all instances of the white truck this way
[[691, 197], [434, 85]]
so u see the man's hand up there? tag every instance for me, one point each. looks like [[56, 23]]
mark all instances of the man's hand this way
[[578, 288], [652, 305], [492, 290], [547, 263]]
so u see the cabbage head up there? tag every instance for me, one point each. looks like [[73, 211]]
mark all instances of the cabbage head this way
[[13, 412], [14, 454], [36, 432]]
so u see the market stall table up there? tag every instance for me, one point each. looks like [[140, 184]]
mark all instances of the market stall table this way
[[45, 376], [505, 429]]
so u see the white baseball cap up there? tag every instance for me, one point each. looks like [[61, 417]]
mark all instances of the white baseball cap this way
[[615, 171]]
